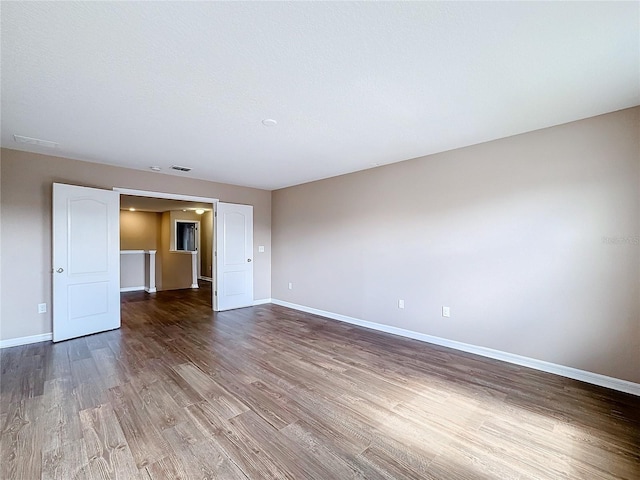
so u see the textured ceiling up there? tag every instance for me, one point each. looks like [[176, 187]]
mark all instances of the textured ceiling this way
[[351, 85]]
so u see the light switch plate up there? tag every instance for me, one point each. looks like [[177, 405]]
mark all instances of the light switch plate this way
[[261, 248]]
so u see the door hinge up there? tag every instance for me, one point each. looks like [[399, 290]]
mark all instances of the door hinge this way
[[215, 293], [215, 254]]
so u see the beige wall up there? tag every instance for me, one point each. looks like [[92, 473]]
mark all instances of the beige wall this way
[[206, 247], [524, 238], [25, 249], [176, 266], [142, 231], [139, 230], [180, 215]]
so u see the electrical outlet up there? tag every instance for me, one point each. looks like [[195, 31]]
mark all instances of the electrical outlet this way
[[446, 312], [290, 286], [42, 308], [400, 303], [260, 248]]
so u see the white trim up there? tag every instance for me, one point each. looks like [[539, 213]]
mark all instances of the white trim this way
[[569, 372], [170, 196], [262, 301], [150, 280], [131, 252], [131, 289], [194, 269], [14, 342], [206, 279], [173, 241]]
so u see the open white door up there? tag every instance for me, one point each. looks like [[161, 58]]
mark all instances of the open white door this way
[[86, 261], [234, 256]]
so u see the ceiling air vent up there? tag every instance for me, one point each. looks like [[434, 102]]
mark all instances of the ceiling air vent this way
[[181, 169], [34, 141]]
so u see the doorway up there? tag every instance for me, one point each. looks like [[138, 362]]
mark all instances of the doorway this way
[[177, 229], [90, 218]]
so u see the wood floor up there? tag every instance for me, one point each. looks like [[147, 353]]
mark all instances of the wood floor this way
[[268, 392]]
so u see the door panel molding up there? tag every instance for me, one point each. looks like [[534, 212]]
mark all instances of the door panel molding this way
[[233, 256], [86, 261]]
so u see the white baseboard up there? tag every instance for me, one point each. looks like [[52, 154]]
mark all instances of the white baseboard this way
[[206, 279], [131, 289], [569, 372], [195, 285], [262, 301], [14, 342], [150, 290]]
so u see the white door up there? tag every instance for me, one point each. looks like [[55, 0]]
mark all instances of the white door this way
[[86, 261], [234, 256]]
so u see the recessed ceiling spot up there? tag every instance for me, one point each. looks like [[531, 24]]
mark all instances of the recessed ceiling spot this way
[[181, 169], [132, 209], [269, 122], [35, 141], [155, 169], [199, 211]]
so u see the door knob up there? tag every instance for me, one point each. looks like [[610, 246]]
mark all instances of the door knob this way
[[248, 260], [60, 270]]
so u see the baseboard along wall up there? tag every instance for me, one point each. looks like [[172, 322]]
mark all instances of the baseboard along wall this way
[[132, 289], [262, 301], [564, 371], [15, 342]]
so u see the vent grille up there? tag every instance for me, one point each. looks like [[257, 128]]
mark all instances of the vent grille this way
[[35, 141], [181, 169]]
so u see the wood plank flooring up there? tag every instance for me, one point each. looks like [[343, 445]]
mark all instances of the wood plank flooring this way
[[270, 393]]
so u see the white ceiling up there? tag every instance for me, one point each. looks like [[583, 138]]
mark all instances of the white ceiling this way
[[150, 204], [351, 84]]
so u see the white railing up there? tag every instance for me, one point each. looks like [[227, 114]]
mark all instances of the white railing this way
[[138, 270], [194, 269], [132, 268]]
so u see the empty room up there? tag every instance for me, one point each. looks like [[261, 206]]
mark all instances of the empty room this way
[[320, 240]]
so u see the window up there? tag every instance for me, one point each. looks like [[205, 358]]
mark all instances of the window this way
[[186, 236]]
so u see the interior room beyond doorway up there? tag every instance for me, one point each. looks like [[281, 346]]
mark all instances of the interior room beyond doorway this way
[[172, 239]]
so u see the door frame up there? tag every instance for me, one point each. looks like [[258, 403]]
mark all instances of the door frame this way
[[188, 198]]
